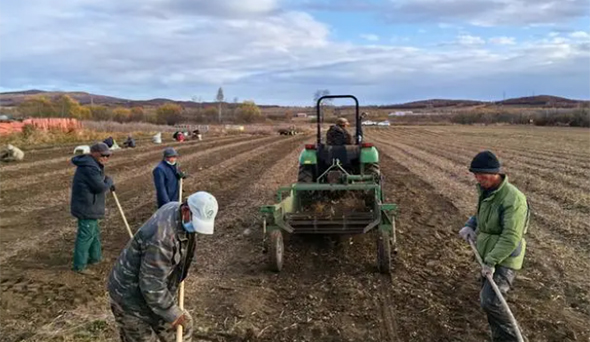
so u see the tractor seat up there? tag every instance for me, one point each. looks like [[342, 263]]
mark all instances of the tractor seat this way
[[349, 156]]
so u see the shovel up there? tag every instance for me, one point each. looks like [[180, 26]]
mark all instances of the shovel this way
[[122, 215], [490, 279], [179, 335]]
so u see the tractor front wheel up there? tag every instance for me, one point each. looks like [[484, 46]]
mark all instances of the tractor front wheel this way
[[384, 252], [276, 250]]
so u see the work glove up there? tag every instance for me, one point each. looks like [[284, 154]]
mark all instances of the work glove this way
[[181, 174], [185, 320], [109, 182], [487, 270], [467, 233]]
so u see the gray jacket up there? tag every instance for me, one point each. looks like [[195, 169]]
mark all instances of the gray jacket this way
[[146, 276]]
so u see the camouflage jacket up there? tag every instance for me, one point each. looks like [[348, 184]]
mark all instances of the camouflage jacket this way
[[146, 275], [338, 136]]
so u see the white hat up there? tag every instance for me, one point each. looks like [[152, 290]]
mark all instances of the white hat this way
[[204, 208]]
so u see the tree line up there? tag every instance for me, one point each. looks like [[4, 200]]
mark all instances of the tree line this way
[[64, 106]]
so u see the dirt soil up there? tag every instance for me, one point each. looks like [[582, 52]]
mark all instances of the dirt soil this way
[[325, 292]]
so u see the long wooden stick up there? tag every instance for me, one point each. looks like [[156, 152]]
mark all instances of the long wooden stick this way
[[179, 332], [490, 278], [122, 215]]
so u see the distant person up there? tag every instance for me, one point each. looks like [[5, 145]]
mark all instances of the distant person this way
[[89, 187], [11, 154], [178, 136], [197, 134], [145, 278], [338, 135], [498, 230], [129, 143], [166, 178], [111, 143]]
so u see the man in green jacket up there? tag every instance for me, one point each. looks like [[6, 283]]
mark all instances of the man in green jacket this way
[[498, 230]]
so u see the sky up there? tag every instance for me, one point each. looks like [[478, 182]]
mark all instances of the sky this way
[[283, 51]]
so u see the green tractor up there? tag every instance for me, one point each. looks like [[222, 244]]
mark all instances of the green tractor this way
[[338, 192]]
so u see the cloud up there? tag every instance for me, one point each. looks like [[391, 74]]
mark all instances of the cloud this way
[[502, 40], [259, 51], [470, 40], [580, 34], [475, 12], [370, 37]]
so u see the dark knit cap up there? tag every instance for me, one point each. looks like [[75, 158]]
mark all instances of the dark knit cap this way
[[485, 162]]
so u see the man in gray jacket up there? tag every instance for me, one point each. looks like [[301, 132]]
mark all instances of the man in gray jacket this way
[[144, 281]]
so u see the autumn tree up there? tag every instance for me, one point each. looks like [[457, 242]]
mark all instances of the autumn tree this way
[[37, 106], [169, 113], [66, 107], [249, 112], [137, 114], [121, 114], [100, 113]]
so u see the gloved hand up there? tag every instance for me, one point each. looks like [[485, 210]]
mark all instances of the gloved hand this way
[[467, 233], [181, 174], [487, 269], [109, 182], [185, 320]]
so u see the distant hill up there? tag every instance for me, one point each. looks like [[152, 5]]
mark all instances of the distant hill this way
[[434, 103], [14, 98], [542, 101]]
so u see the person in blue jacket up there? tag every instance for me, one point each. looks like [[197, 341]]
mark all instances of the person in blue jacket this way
[[166, 178]]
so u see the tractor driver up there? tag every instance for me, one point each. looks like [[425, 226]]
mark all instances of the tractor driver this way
[[338, 135]]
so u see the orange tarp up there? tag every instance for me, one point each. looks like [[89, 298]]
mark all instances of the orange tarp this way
[[45, 124]]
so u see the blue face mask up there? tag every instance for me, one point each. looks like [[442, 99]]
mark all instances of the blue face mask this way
[[189, 227]]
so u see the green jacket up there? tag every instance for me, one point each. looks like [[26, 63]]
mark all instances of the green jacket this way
[[500, 223]]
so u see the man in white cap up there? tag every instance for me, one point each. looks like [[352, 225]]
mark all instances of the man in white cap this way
[[144, 281]]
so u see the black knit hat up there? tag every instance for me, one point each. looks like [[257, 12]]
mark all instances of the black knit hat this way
[[485, 162]]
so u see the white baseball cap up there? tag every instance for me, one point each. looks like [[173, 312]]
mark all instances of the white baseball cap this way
[[204, 208]]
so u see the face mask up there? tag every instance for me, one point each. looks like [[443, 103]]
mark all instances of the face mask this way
[[169, 163], [188, 227]]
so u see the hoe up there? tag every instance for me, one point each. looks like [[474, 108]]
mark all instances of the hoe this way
[[338, 192]]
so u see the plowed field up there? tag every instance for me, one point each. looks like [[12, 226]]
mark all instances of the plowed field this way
[[325, 292]]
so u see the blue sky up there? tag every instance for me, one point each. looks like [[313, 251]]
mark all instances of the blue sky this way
[[282, 51]]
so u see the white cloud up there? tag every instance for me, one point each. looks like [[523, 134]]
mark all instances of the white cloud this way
[[502, 40], [269, 55], [370, 37], [467, 39], [580, 34]]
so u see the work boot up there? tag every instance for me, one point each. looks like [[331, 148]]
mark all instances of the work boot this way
[[86, 272]]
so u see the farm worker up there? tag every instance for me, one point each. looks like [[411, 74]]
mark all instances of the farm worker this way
[[145, 278], [12, 153], [338, 135], [498, 230], [130, 142], [88, 204], [166, 177]]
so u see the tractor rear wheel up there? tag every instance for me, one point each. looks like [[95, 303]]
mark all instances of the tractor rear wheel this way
[[305, 174], [383, 251], [276, 250], [373, 169]]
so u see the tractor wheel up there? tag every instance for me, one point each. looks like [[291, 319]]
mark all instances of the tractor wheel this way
[[383, 252], [276, 249], [373, 169], [305, 174]]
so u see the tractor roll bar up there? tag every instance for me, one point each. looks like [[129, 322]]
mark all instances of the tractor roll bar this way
[[320, 119]]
